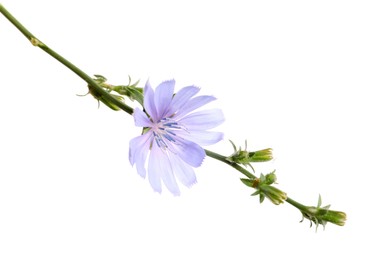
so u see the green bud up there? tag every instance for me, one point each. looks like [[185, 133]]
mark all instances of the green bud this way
[[261, 155], [275, 195], [245, 157], [101, 98], [111, 105], [320, 216], [131, 90], [264, 188], [336, 217], [270, 178]]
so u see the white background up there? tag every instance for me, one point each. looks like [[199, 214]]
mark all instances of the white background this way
[[302, 77]]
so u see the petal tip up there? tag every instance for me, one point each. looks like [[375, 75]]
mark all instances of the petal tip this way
[[157, 191], [191, 184], [176, 194]]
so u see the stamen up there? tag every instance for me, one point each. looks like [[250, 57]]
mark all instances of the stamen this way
[[169, 137], [166, 131], [170, 132], [160, 142]]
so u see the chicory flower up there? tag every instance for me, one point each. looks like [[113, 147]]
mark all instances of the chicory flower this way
[[173, 134]]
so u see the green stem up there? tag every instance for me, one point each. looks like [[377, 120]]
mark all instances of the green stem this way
[[248, 174], [234, 165], [296, 204], [92, 84]]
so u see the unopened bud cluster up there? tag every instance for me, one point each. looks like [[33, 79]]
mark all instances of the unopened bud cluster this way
[[321, 215], [131, 91], [245, 157], [265, 190]]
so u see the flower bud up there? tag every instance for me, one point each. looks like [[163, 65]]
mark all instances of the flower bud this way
[[320, 216], [131, 90], [324, 215], [264, 188], [270, 178], [261, 155], [245, 157], [275, 195], [101, 98]]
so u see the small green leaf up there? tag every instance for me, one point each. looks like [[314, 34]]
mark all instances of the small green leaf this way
[[232, 143], [261, 197], [248, 182], [319, 201], [100, 78]]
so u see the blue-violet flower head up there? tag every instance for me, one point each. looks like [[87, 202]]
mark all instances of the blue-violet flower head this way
[[173, 133]]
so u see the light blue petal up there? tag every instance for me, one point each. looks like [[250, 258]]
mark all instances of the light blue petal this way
[[149, 102], [201, 137], [135, 146], [138, 151], [154, 174], [189, 152], [181, 98], [193, 104], [160, 168], [141, 119], [163, 97], [184, 172], [203, 120], [168, 177]]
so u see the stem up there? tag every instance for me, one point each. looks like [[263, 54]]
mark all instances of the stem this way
[[296, 204], [92, 84], [234, 165]]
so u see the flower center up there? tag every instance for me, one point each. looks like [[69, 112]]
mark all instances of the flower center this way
[[165, 131]]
